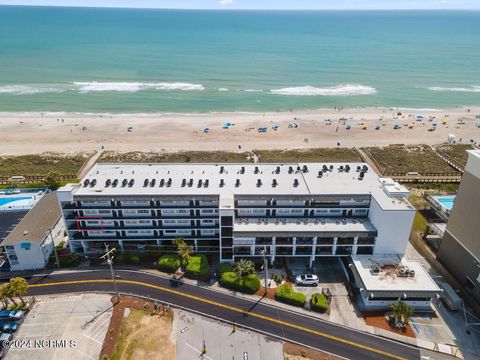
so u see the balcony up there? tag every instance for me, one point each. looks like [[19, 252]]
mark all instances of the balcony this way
[[304, 241], [345, 241], [263, 241], [242, 250], [344, 250], [284, 241], [366, 241], [325, 241], [304, 250], [323, 250], [365, 250], [280, 250]]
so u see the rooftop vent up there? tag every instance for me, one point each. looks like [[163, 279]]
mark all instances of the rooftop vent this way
[[316, 221], [256, 171], [108, 182], [190, 183], [290, 170], [145, 183], [206, 183], [295, 182], [93, 182], [184, 182], [274, 183], [347, 168], [365, 168], [277, 170], [237, 183], [259, 182], [222, 169], [242, 170], [115, 183], [320, 174], [162, 182], [222, 183], [169, 182], [124, 182], [86, 182], [153, 182], [375, 270], [298, 221], [340, 168], [331, 167], [200, 183], [131, 182], [324, 168], [299, 168], [305, 169]]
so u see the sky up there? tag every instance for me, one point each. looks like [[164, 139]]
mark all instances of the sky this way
[[261, 4]]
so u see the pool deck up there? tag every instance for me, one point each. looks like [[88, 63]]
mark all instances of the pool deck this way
[[23, 201]]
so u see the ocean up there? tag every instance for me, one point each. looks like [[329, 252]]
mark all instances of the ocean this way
[[92, 60]]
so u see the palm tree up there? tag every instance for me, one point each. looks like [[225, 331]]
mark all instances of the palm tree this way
[[244, 267], [184, 250], [10, 293], [18, 286], [401, 312]]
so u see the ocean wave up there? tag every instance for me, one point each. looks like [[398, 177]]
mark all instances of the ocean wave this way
[[28, 89], [253, 90], [223, 89], [135, 86], [471, 89], [340, 90]]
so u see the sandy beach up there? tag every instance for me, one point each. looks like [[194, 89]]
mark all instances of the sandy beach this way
[[69, 133]]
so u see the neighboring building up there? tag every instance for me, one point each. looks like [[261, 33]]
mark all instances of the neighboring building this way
[[460, 247], [29, 245], [235, 210], [382, 280]]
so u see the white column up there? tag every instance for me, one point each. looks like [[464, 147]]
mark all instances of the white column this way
[[334, 250], [294, 250], [120, 243], [84, 245]]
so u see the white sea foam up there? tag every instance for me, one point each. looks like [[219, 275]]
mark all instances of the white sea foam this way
[[340, 90], [135, 86], [253, 90], [470, 89], [28, 89]]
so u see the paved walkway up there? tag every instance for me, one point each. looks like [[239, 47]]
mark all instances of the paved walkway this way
[[89, 164]]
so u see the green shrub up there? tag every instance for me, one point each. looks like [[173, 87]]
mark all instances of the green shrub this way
[[197, 266], [277, 278], [70, 260], [225, 267], [134, 259], [249, 284], [287, 295], [169, 263], [60, 245], [319, 302]]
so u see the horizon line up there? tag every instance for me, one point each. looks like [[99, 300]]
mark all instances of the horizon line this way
[[230, 9]]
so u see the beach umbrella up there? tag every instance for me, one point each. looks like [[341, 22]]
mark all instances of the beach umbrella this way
[[434, 125], [227, 124], [419, 117]]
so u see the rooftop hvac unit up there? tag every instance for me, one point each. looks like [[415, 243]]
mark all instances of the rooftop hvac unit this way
[[93, 182], [145, 183], [277, 170], [295, 183], [222, 183], [411, 273], [316, 221], [199, 184], [115, 183], [86, 182], [108, 183], [242, 170], [256, 171], [375, 270], [153, 182], [284, 221], [259, 222], [222, 169], [237, 183], [274, 183], [131, 182], [162, 182], [184, 182], [206, 183], [290, 170], [124, 182], [298, 222], [305, 168], [259, 182], [323, 221], [190, 183], [320, 174], [169, 182]]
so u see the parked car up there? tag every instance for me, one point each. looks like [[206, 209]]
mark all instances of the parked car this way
[[11, 314], [307, 279], [8, 326]]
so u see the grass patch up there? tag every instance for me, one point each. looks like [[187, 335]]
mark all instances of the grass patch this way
[[197, 266], [169, 262], [272, 156], [447, 188], [287, 295], [318, 302], [143, 337], [419, 222], [249, 284], [309, 155], [177, 157], [456, 151], [41, 165], [403, 159]]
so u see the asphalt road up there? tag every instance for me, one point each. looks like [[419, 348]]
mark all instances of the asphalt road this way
[[275, 321]]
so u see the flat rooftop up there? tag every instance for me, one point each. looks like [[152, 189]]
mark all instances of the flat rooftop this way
[[389, 279], [294, 225], [237, 179]]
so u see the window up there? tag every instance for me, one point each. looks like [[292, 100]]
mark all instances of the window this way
[[208, 222], [130, 222], [135, 203], [258, 212], [143, 211], [96, 203], [175, 203], [321, 211], [252, 202], [105, 212], [208, 211], [93, 222], [335, 211], [146, 232], [290, 202], [208, 232]]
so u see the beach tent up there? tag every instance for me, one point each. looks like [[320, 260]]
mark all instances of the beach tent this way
[[206, 130], [419, 117], [275, 127], [227, 124]]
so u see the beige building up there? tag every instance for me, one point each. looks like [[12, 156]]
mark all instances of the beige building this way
[[460, 247], [29, 245]]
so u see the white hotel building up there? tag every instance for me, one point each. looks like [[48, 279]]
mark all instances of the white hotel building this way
[[307, 211]]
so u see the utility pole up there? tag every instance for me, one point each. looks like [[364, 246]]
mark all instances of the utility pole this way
[[57, 260], [265, 266], [110, 263]]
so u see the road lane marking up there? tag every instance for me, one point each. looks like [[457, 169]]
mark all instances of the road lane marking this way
[[228, 307]]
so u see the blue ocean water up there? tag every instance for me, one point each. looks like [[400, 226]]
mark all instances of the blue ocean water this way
[[137, 61]]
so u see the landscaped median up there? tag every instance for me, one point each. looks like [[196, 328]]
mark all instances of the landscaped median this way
[[169, 263], [287, 295], [248, 284]]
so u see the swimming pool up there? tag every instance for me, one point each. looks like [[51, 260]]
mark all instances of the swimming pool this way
[[446, 201], [4, 201]]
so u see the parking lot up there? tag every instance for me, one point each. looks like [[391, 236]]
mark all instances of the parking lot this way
[[81, 320], [193, 332]]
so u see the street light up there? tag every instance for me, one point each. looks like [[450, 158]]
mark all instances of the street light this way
[[110, 263]]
